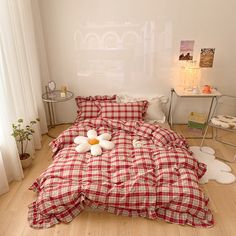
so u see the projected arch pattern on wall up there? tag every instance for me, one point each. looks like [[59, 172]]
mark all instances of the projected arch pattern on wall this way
[[118, 51]]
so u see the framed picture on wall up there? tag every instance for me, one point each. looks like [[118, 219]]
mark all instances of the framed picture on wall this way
[[207, 57], [186, 50]]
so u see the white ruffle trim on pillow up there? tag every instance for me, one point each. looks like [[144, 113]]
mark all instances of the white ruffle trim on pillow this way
[[154, 113]]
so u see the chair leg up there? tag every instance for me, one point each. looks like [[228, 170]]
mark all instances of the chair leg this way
[[220, 158], [219, 139], [224, 142], [216, 138]]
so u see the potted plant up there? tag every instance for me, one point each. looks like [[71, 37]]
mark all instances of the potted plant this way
[[22, 136]]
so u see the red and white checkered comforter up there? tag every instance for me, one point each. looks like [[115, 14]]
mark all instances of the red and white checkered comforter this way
[[157, 181]]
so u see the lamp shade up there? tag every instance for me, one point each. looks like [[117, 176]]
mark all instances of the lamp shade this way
[[190, 76]]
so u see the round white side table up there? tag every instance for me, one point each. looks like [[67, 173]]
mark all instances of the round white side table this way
[[55, 97]]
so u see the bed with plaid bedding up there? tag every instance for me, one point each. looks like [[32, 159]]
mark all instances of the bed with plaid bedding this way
[[158, 180]]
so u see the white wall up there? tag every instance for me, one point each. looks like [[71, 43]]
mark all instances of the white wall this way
[[103, 66]]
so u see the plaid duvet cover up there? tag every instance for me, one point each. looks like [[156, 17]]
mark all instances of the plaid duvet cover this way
[[157, 181]]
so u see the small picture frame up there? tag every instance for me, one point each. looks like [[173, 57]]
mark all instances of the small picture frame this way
[[51, 86]]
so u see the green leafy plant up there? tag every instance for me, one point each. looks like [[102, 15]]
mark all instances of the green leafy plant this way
[[22, 135]]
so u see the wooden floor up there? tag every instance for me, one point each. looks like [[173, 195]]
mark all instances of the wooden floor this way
[[13, 208]]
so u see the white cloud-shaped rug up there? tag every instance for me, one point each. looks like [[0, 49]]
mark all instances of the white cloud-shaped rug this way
[[216, 170]]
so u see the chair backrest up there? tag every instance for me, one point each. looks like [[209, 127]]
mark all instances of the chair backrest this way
[[226, 105]]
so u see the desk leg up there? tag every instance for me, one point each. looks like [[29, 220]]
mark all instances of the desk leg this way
[[210, 109], [170, 109], [208, 118]]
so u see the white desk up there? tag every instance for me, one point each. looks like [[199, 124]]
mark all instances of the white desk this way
[[188, 94], [184, 93]]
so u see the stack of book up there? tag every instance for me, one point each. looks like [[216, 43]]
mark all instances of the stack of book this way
[[196, 120]]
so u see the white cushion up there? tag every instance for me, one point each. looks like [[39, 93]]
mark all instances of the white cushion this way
[[228, 122], [93, 142], [154, 112]]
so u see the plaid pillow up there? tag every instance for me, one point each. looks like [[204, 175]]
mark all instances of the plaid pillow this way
[[87, 107], [123, 111]]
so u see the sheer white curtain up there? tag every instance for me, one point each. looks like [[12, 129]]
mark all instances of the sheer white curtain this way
[[20, 85]]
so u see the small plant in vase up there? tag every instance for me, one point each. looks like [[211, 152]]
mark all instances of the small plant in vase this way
[[22, 136]]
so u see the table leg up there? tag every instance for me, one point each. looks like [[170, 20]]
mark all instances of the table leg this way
[[210, 109], [53, 115], [170, 109], [49, 112], [51, 119]]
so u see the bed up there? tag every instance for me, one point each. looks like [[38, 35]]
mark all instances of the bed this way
[[158, 180]]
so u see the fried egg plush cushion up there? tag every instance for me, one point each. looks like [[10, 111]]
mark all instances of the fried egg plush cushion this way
[[94, 143]]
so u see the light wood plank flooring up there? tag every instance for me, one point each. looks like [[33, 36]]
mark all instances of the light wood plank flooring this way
[[13, 208]]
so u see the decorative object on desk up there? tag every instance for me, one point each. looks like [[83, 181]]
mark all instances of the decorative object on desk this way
[[63, 94], [50, 89], [64, 88], [51, 86], [196, 90], [191, 76], [22, 136], [63, 91], [207, 57], [206, 89], [186, 50], [216, 170], [196, 120]]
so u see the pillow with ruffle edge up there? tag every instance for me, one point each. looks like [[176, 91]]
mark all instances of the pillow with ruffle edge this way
[[154, 113]]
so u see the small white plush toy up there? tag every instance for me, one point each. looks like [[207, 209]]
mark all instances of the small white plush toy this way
[[137, 144], [93, 142]]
